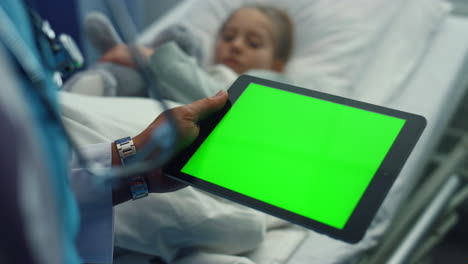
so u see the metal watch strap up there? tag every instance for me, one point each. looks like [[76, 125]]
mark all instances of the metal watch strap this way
[[138, 186], [126, 148]]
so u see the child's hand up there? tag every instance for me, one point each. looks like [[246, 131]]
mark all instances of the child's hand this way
[[120, 54]]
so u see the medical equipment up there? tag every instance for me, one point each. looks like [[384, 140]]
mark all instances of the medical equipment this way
[[62, 56], [65, 56], [344, 155]]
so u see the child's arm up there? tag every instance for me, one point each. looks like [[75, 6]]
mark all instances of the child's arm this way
[[180, 78]]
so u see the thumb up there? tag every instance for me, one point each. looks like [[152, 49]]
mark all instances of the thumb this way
[[205, 107]]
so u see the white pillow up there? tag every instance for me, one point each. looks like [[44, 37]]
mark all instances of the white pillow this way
[[399, 50], [338, 44]]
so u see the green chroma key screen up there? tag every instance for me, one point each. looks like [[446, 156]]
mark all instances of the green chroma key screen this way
[[306, 155]]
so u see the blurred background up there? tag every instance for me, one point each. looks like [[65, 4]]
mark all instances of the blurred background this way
[[453, 249]]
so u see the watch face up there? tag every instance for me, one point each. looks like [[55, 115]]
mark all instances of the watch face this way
[[122, 140]]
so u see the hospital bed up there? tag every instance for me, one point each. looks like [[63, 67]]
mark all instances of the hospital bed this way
[[430, 84], [428, 213], [444, 66]]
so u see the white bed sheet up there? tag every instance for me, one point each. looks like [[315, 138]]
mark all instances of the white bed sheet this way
[[433, 91], [430, 92]]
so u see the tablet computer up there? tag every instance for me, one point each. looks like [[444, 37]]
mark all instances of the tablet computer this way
[[321, 161]]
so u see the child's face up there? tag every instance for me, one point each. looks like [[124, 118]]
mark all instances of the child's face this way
[[246, 42]]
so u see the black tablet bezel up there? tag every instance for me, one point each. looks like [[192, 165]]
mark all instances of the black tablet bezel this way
[[372, 198]]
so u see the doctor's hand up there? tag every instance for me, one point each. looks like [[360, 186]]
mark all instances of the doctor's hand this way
[[187, 118]]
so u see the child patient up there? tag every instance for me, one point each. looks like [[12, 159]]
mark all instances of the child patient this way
[[254, 39]]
